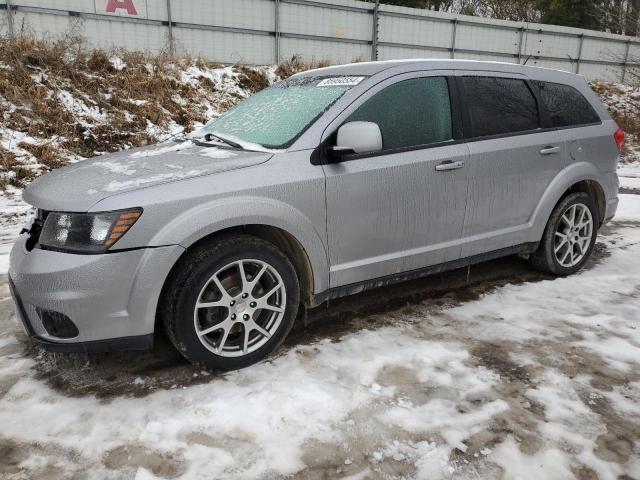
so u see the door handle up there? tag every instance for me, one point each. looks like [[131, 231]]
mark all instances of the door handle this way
[[549, 150], [449, 165]]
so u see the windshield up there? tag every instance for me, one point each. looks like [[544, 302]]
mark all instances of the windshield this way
[[276, 116]]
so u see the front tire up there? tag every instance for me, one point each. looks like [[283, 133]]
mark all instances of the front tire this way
[[569, 237], [231, 302]]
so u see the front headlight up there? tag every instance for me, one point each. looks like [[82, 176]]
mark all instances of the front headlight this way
[[86, 232]]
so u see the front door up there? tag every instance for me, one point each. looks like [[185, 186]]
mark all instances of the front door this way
[[403, 208]]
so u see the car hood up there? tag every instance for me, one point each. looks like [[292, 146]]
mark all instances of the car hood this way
[[78, 186]]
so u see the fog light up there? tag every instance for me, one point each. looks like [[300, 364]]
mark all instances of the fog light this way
[[57, 324]]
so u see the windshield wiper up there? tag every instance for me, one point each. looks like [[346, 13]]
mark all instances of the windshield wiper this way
[[209, 136]]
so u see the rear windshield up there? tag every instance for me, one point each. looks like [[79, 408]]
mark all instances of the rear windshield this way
[[276, 116]]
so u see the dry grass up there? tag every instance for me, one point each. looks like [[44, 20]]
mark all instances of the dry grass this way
[[629, 123], [71, 101], [252, 79], [46, 153], [296, 65], [113, 106], [17, 174], [631, 126], [623, 102]]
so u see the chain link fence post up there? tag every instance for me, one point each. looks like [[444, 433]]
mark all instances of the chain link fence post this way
[[172, 47], [520, 43], [374, 41], [453, 37], [277, 30], [626, 59], [579, 53], [10, 19]]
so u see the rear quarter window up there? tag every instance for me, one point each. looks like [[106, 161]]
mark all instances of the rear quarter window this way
[[567, 107]]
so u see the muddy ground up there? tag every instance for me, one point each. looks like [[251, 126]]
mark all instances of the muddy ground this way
[[370, 447], [108, 375]]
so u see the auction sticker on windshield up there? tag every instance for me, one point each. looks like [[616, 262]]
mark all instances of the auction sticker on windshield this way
[[340, 81]]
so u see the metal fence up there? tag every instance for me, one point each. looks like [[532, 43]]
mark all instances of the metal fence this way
[[268, 31]]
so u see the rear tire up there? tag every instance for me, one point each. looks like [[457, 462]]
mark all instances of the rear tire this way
[[231, 302], [569, 236]]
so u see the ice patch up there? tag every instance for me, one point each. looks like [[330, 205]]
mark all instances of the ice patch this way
[[444, 416], [115, 167], [5, 250], [571, 423], [117, 186], [217, 153], [628, 208], [176, 146], [80, 109], [630, 183], [117, 63], [249, 145], [631, 170], [549, 464], [13, 215], [618, 352]]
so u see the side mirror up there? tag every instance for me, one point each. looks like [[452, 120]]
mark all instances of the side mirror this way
[[358, 137]]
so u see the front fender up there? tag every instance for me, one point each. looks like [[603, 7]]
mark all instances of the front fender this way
[[566, 178], [205, 219]]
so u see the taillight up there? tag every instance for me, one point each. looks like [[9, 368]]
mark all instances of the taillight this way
[[619, 138]]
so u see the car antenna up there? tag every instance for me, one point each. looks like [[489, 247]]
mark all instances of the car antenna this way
[[528, 58]]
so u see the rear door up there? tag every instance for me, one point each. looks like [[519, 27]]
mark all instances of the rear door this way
[[512, 159], [403, 208]]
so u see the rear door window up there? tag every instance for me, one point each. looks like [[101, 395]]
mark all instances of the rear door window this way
[[499, 106], [410, 113], [566, 106]]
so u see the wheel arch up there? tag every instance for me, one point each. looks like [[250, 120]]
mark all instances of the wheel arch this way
[[594, 190], [578, 177], [285, 241]]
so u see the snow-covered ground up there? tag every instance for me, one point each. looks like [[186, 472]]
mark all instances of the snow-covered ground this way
[[13, 217], [535, 379], [629, 176], [532, 380]]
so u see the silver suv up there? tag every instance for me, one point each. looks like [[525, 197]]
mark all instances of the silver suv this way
[[333, 181]]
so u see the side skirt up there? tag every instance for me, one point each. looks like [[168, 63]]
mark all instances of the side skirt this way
[[353, 288]]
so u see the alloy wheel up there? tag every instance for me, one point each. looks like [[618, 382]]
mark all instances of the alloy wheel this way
[[573, 235], [240, 307]]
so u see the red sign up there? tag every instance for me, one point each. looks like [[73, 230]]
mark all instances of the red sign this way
[[122, 8], [113, 5]]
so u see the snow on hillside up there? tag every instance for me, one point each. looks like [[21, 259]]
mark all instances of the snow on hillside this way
[[79, 120], [623, 101]]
